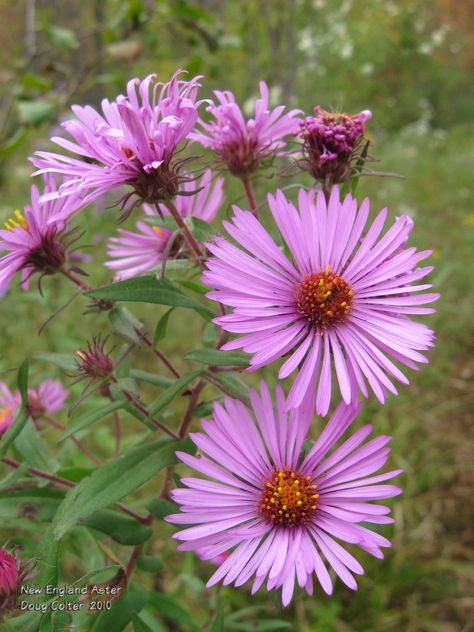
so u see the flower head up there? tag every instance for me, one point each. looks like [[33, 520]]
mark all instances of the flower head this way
[[9, 580], [33, 241], [279, 512], [9, 403], [242, 144], [341, 300], [331, 142], [134, 253], [133, 142], [48, 398]]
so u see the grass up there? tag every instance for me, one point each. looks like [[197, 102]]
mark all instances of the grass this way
[[426, 581]]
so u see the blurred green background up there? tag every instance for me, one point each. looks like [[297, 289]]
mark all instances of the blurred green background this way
[[411, 63]]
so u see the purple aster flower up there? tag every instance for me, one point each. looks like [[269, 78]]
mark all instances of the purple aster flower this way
[[47, 398], [281, 512], [134, 253], [242, 144], [133, 143], [331, 142], [9, 403], [34, 243], [341, 300]]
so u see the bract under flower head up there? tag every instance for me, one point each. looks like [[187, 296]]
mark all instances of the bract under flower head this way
[[242, 144], [133, 142], [340, 299], [278, 512]]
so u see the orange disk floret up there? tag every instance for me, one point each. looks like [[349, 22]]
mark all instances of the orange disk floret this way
[[289, 499], [324, 298]]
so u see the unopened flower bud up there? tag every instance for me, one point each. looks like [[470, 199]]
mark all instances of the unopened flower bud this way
[[331, 142]]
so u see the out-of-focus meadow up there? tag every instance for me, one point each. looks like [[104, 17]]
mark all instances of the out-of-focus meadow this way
[[411, 63]]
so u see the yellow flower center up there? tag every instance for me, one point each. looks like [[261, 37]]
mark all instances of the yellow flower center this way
[[18, 222], [158, 231], [288, 499], [323, 298]]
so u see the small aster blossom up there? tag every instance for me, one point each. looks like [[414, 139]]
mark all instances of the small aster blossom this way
[[9, 581], [331, 142], [133, 142], [9, 403], [242, 144], [33, 242], [134, 253], [340, 300], [47, 398], [281, 513]]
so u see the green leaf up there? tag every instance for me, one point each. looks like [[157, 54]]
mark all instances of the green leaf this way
[[162, 327], [48, 555], [34, 451], [213, 357], [202, 230], [171, 609], [62, 360], [13, 431], [160, 507], [151, 378], [114, 480], [139, 625], [124, 323], [149, 564], [13, 143], [34, 112], [171, 392], [22, 381], [194, 286], [123, 530], [218, 623], [117, 618], [148, 289], [209, 336], [229, 384], [91, 417], [63, 38]]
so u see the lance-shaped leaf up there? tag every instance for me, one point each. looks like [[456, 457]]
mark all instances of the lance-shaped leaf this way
[[149, 289], [114, 480], [213, 357]]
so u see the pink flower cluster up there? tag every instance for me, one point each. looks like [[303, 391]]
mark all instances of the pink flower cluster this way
[[331, 298]]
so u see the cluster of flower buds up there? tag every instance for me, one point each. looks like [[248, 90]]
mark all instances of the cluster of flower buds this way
[[331, 142]]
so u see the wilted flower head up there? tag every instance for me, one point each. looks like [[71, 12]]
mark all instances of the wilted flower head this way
[[279, 512], [9, 581], [134, 253], [242, 144], [95, 362], [133, 143], [49, 397], [33, 241], [340, 300], [331, 141], [9, 403]]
